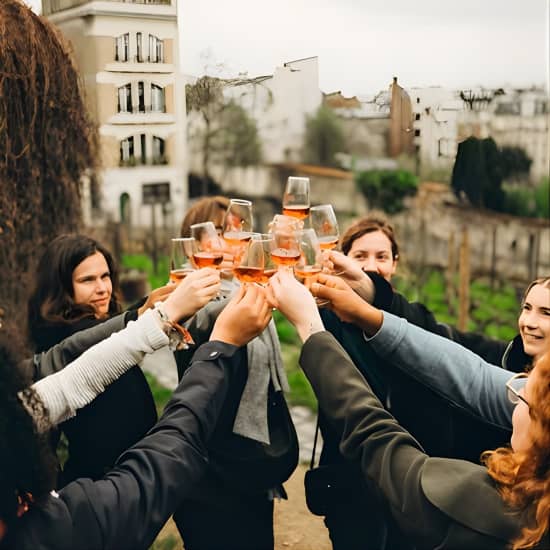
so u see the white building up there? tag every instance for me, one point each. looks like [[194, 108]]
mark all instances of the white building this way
[[127, 54], [280, 103], [436, 112]]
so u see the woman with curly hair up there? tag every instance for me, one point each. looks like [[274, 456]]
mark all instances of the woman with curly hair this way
[[434, 502]]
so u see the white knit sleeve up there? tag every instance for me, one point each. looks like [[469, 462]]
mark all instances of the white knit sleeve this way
[[78, 384]]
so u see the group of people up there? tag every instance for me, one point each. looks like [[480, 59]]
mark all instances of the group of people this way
[[406, 405]]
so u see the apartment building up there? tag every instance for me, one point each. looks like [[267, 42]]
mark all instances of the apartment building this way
[[127, 54]]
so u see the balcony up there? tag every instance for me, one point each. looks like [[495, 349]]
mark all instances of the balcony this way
[[162, 2], [133, 161]]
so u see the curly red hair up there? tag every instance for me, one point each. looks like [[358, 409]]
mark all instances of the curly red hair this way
[[524, 477]]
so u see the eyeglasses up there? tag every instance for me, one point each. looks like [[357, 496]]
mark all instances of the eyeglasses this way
[[513, 392]]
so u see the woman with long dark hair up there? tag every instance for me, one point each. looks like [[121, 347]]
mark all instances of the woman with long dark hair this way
[[76, 288]]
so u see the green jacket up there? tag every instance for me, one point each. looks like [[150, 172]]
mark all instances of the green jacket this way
[[436, 502]]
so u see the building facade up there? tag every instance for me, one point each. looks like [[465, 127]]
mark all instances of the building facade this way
[[127, 54]]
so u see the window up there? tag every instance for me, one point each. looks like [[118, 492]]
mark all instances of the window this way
[[125, 99], [156, 49], [417, 116], [139, 44], [122, 47], [158, 151], [417, 133], [157, 99], [143, 149], [418, 100], [141, 97], [127, 151]]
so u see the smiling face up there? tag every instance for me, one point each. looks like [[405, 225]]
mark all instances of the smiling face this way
[[373, 252], [92, 284], [534, 321]]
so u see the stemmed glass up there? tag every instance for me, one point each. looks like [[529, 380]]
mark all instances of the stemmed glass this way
[[266, 242], [323, 221], [249, 267], [309, 264], [296, 198], [285, 250], [207, 245], [238, 222], [181, 251]]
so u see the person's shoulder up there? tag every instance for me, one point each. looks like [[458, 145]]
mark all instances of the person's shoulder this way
[[465, 492]]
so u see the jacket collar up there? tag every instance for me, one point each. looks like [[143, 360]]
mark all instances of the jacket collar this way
[[465, 493], [515, 359]]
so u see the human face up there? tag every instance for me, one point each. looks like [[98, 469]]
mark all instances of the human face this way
[[521, 421], [534, 321], [92, 284], [373, 252]]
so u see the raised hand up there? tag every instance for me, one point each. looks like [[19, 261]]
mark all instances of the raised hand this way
[[194, 292], [244, 317], [296, 303], [348, 305], [350, 271], [157, 295]]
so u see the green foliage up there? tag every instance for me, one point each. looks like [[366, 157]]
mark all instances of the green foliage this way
[[477, 173], [324, 138], [161, 395], [386, 189], [493, 313], [227, 136], [239, 137], [514, 162], [170, 542], [143, 263], [526, 201]]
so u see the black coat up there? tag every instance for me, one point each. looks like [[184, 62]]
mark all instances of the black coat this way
[[127, 509], [113, 422]]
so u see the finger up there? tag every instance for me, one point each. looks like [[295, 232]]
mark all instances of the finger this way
[[323, 291], [270, 297]]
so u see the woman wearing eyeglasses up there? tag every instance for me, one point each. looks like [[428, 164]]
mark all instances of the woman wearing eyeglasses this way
[[435, 502]]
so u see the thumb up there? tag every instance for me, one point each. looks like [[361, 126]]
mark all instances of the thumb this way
[[322, 291]]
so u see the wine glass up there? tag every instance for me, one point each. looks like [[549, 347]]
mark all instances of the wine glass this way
[[249, 267], [181, 251], [285, 250], [323, 221], [309, 265], [207, 245], [238, 222], [266, 242], [296, 198]]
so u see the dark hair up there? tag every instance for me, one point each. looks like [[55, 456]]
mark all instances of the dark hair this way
[[208, 209], [52, 298], [47, 144], [375, 221], [27, 463]]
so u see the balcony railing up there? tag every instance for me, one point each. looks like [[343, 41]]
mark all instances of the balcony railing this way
[[138, 161], [163, 2]]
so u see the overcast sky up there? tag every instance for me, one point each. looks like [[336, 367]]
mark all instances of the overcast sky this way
[[362, 44]]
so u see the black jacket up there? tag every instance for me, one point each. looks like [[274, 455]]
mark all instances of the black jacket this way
[[127, 508], [238, 465], [113, 422], [437, 503]]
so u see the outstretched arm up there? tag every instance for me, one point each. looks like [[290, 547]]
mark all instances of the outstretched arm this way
[[446, 367]]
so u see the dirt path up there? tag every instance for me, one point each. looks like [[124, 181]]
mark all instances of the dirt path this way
[[295, 527]]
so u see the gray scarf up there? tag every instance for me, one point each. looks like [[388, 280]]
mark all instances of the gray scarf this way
[[265, 364]]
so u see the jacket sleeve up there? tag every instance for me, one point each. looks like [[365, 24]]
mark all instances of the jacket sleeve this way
[[200, 326], [418, 314], [447, 368], [390, 458], [60, 355], [132, 503]]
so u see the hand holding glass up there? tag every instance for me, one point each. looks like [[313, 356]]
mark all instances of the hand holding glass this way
[[180, 259]]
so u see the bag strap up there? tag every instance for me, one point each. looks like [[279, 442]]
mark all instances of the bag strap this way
[[312, 461]]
